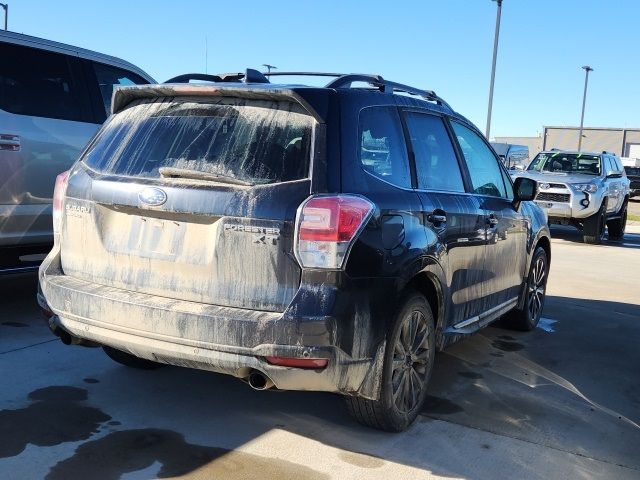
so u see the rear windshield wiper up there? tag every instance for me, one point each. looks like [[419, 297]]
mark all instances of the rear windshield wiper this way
[[172, 172]]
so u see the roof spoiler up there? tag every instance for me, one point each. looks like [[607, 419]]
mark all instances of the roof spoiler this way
[[123, 96]]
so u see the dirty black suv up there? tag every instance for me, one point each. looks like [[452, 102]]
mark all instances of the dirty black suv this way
[[302, 238]]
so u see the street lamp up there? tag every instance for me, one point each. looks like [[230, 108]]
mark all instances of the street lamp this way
[[493, 66], [6, 13], [269, 67], [587, 69]]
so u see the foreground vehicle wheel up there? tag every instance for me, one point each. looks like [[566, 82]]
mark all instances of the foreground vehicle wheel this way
[[130, 360], [528, 317], [617, 227], [408, 363], [594, 226]]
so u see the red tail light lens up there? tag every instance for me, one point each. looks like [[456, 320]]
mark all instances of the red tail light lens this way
[[327, 227], [58, 200]]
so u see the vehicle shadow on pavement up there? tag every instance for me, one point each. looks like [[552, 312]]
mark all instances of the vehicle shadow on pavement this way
[[570, 234], [549, 388]]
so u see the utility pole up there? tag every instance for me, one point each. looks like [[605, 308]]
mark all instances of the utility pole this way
[[269, 67], [6, 14], [493, 66], [587, 69]]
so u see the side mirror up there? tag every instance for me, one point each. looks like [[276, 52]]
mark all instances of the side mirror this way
[[524, 190]]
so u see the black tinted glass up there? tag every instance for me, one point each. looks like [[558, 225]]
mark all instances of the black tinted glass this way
[[436, 163], [252, 141], [109, 77], [383, 151], [483, 166], [38, 83]]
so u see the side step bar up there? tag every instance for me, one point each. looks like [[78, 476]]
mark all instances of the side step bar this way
[[479, 321]]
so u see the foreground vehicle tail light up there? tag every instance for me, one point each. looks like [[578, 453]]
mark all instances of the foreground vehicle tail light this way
[[327, 227], [58, 200], [298, 362]]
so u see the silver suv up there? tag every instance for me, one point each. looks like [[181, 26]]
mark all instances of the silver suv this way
[[53, 98], [587, 190]]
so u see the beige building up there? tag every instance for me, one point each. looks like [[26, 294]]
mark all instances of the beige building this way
[[624, 142]]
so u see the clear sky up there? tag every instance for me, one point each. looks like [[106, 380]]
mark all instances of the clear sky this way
[[443, 45]]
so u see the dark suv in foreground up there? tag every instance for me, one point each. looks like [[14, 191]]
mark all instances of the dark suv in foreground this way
[[302, 238]]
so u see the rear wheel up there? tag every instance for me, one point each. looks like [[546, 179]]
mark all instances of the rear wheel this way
[[527, 318], [130, 360], [408, 363], [617, 227], [594, 226]]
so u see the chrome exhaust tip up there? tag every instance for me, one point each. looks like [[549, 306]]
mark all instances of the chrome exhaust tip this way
[[259, 381]]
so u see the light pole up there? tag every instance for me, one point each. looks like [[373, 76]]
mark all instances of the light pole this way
[[269, 67], [6, 13], [493, 66], [587, 69]]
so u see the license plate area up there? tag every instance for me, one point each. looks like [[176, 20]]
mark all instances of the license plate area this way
[[544, 204], [155, 237]]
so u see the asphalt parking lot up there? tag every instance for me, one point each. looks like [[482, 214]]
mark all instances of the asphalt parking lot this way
[[560, 402]]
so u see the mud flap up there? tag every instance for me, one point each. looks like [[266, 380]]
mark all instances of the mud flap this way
[[370, 386]]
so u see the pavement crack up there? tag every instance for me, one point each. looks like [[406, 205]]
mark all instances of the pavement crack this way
[[29, 346]]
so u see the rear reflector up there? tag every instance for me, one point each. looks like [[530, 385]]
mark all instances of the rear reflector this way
[[327, 226], [298, 362]]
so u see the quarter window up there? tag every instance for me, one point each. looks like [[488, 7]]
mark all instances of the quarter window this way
[[436, 163], [485, 173], [383, 152], [37, 83], [109, 77]]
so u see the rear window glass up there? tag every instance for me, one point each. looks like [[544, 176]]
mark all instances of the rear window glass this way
[[253, 141]]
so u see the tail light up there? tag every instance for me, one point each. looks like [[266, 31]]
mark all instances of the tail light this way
[[58, 200], [327, 227]]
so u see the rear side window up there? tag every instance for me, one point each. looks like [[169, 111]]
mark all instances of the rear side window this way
[[484, 170], [608, 165], [617, 164], [383, 152], [436, 163], [37, 83], [109, 77], [257, 142]]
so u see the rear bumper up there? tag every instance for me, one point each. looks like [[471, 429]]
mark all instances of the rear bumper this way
[[220, 339]]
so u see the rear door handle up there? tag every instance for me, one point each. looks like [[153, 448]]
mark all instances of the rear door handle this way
[[437, 217], [492, 220], [9, 142]]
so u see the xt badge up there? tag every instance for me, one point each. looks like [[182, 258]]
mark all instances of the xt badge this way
[[261, 235]]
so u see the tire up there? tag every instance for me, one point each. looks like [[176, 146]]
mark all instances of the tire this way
[[616, 227], [129, 360], [403, 388], [527, 318], [594, 226]]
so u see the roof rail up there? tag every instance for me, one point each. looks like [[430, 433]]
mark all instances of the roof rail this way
[[345, 80], [386, 86], [301, 74], [249, 76]]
